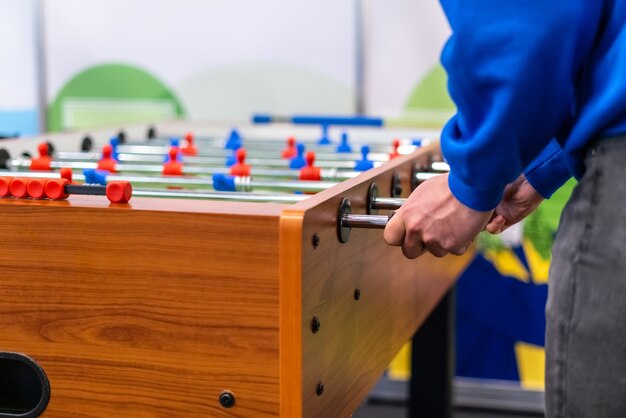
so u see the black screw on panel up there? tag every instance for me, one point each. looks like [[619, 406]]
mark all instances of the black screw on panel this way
[[152, 134], [227, 399], [87, 144], [121, 136], [315, 240], [319, 389], [315, 324], [357, 294]]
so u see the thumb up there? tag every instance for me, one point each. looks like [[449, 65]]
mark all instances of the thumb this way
[[395, 230], [496, 224]]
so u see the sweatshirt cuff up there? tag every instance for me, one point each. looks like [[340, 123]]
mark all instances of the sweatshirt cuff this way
[[549, 171], [478, 199]]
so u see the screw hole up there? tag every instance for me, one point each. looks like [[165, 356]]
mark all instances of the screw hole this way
[[315, 324], [227, 399], [315, 240]]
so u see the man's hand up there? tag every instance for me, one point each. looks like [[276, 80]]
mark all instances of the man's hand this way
[[432, 219], [520, 199]]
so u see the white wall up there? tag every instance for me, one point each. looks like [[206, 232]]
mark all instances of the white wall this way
[[226, 59], [303, 49], [18, 89], [404, 43]]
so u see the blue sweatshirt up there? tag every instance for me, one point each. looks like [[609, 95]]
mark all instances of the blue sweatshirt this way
[[534, 83]]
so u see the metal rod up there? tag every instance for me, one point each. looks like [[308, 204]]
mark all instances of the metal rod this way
[[440, 167], [328, 174], [171, 181], [40, 64], [228, 196], [211, 161], [268, 145], [365, 221], [360, 58], [245, 184], [329, 177], [387, 203], [36, 174], [162, 180], [323, 154], [242, 184], [86, 189], [422, 177]]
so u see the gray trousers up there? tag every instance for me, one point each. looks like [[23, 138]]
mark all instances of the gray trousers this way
[[586, 309]]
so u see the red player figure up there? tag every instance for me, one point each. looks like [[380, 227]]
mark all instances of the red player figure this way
[[240, 168], [309, 172], [107, 163], [66, 173], [190, 148], [173, 167], [394, 147], [290, 151], [41, 163]]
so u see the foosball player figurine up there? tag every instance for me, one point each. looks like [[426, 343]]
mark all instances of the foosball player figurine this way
[[291, 151], [240, 168], [310, 172], [41, 163], [107, 162], [173, 166], [190, 148], [394, 149]]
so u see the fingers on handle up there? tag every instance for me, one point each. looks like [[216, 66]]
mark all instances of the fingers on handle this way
[[460, 251], [496, 225], [395, 230], [436, 249], [413, 247]]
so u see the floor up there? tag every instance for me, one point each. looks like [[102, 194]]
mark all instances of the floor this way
[[371, 410]]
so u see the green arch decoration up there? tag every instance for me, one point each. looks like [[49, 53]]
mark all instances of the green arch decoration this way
[[111, 93], [428, 105], [431, 92]]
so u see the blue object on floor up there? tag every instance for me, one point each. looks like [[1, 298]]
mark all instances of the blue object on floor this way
[[493, 313]]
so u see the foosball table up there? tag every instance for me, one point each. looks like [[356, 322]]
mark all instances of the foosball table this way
[[142, 279]]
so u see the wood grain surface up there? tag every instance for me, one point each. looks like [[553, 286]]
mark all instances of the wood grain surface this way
[[138, 313], [152, 309], [356, 338]]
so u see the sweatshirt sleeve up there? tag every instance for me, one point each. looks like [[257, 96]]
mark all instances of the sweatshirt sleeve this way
[[512, 67], [548, 171]]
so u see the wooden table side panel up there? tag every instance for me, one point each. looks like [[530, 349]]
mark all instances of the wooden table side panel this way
[[358, 338], [143, 313]]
